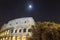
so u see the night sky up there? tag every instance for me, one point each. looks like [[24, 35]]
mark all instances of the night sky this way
[[42, 10]]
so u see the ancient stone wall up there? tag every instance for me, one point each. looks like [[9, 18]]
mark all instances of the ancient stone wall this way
[[46, 31]]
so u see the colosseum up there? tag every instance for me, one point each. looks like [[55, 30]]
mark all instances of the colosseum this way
[[27, 29], [17, 29]]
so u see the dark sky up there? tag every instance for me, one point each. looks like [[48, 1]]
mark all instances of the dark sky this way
[[42, 10]]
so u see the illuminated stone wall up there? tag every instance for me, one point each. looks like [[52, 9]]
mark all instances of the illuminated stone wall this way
[[17, 29], [28, 29], [46, 31]]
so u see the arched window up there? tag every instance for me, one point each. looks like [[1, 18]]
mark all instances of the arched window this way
[[18, 38], [20, 30], [13, 38], [32, 26], [15, 31], [25, 21], [11, 30], [29, 30], [24, 38], [24, 30], [16, 22]]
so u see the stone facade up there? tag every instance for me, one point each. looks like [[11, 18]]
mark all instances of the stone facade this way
[[17, 29], [27, 29], [46, 31]]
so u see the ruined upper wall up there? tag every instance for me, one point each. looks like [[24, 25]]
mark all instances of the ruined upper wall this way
[[21, 22]]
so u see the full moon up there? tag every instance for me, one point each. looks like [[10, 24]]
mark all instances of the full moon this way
[[30, 6]]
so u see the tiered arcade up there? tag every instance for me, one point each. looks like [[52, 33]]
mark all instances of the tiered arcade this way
[[17, 29]]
